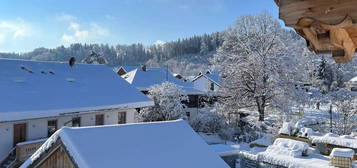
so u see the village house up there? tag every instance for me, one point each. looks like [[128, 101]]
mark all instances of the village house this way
[[38, 98], [143, 78], [207, 81], [171, 144]]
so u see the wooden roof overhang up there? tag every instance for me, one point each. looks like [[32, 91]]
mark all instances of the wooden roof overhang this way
[[327, 25]]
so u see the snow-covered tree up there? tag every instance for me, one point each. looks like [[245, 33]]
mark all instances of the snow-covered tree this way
[[204, 47], [345, 122], [251, 60], [168, 99], [94, 58]]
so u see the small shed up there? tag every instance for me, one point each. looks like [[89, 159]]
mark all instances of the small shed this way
[[341, 157]]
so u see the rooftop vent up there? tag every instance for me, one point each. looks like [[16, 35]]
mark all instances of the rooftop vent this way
[[26, 69], [143, 67], [72, 61]]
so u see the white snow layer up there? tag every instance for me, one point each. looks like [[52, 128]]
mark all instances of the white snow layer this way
[[288, 153], [345, 141], [286, 128], [287, 147], [161, 144], [342, 152], [225, 150], [34, 89]]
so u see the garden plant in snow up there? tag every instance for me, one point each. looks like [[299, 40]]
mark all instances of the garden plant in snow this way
[[168, 99]]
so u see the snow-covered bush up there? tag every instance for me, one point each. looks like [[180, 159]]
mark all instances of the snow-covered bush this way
[[208, 122], [168, 99]]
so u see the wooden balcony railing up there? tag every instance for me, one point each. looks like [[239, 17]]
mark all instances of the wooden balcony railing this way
[[25, 149]]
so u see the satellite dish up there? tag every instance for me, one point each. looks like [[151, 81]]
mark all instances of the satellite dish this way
[[72, 61]]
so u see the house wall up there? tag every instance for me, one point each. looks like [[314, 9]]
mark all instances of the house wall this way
[[37, 128], [204, 84], [201, 84], [193, 112]]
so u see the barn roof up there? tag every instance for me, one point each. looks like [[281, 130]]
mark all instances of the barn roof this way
[[170, 144], [152, 76], [34, 89]]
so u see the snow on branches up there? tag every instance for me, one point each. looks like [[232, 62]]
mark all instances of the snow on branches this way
[[168, 99]]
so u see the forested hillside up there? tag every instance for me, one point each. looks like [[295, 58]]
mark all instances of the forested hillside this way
[[189, 53]]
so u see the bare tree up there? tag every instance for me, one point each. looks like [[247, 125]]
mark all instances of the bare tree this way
[[346, 115], [252, 63]]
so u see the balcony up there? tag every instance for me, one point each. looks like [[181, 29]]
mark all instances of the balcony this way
[[20, 153]]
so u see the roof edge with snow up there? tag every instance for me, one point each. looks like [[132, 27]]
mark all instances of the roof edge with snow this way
[[26, 115]]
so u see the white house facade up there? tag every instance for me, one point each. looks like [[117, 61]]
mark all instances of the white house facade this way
[[39, 98], [143, 78], [209, 81]]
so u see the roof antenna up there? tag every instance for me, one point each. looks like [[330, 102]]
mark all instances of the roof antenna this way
[[72, 61]]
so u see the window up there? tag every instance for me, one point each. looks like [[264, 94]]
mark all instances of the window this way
[[192, 101], [99, 119], [212, 86], [51, 127], [188, 114], [122, 117], [76, 122]]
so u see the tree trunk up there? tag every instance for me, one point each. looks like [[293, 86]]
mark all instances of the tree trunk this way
[[330, 111], [261, 107], [261, 115]]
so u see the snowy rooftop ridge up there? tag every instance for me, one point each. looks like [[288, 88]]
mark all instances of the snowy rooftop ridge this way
[[345, 141], [35, 89], [212, 76], [143, 80], [167, 141]]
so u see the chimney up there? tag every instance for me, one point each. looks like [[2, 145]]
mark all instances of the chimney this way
[[143, 67]]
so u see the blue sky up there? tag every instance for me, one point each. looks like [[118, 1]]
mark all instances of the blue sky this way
[[29, 24]]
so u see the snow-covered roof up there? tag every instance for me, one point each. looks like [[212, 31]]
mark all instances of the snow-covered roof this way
[[282, 146], [143, 80], [212, 76], [34, 89], [342, 152], [353, 80], [345, 141], [225, 150], [171, 144]]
